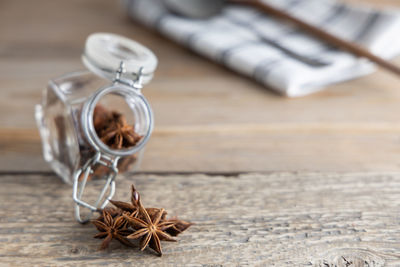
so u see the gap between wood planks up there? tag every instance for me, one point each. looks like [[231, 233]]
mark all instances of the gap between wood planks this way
[[211, 174], [160, 173], [33, 133]]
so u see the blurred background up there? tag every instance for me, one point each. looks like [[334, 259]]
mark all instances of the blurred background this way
[[208, 118]]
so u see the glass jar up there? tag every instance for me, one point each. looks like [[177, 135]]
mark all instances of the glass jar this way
[[117, 69]]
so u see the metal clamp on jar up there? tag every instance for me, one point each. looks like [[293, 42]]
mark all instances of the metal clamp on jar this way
[[119, 67]]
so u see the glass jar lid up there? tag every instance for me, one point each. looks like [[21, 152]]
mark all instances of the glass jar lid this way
[[104, 53]]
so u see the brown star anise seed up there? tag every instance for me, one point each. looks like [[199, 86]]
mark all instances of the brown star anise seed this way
[[132, 207], [119, 134], [125, 206], [154, 212], [101, 118], [113, 129], [178, 226], [133, 221], [112, 211], [112, 228], [151, 231]]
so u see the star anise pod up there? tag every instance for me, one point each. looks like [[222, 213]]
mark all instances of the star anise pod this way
[[112, 228], [102, 118], [154, 212], [178, 226], [133, 207], [119, 134], [112, 211], [133, 221], [150, 229]]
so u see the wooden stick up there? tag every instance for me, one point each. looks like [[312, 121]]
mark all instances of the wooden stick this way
[[321, 34]]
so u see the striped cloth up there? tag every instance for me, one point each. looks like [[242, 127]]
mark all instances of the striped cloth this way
[[276, 54]]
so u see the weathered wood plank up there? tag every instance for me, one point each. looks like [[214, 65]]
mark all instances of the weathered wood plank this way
[[286, 219]]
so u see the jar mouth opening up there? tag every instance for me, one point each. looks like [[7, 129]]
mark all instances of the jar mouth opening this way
[[138, 104]]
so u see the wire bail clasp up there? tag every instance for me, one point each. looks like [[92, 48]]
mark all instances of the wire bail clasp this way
[[106, 156], [80, 184], [136, 83]]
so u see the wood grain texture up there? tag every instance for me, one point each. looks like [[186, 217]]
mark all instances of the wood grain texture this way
[[282, 219], [213, 119]]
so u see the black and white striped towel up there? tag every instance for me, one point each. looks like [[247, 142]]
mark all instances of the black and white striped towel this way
[[276, 54]]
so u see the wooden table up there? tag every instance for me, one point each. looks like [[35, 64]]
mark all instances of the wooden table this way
[[266, 180]]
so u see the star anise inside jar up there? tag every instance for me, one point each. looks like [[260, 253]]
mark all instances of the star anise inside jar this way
[[113, 129]]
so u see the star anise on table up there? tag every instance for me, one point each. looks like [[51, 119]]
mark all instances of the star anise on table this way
[[178, 226], [112, 228], [130, 221], [133, 207], [150, 230], [114, 212]]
